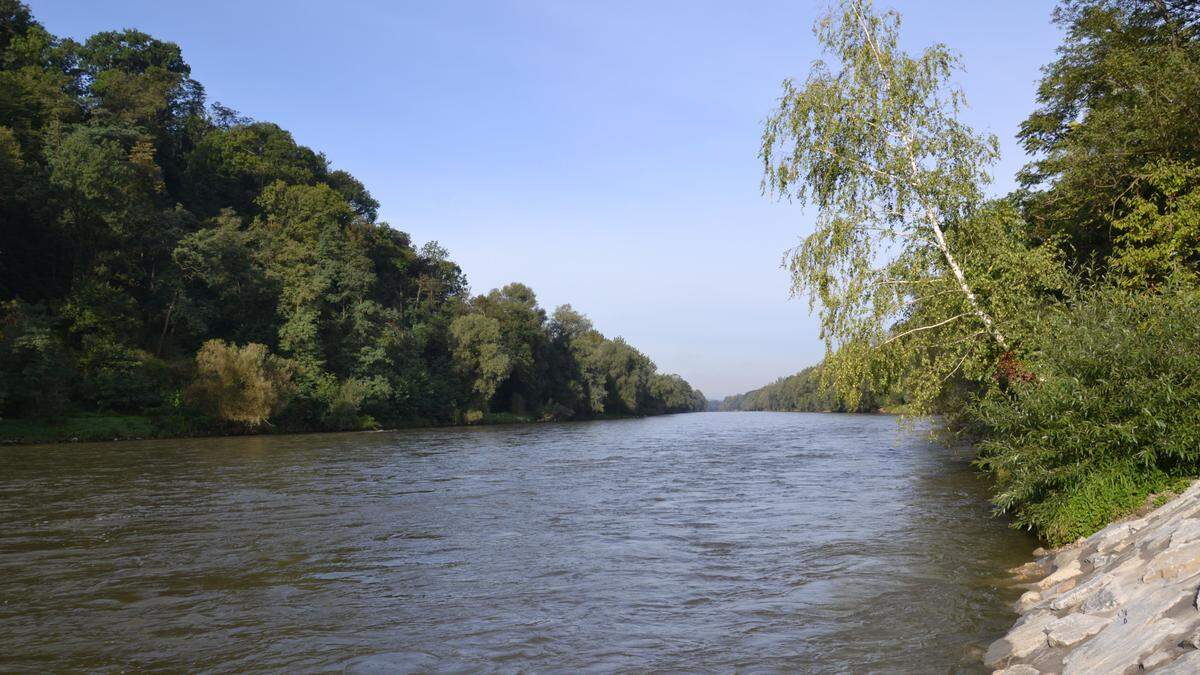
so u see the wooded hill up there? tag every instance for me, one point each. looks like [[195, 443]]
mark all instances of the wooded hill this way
[[165, 257]]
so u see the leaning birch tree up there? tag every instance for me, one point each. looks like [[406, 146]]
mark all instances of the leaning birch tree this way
[[873, 141]]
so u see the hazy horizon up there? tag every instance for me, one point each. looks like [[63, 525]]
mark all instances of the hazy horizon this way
[[604, 155]]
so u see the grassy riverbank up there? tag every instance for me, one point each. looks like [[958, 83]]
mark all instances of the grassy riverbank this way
[[87, 427], [93, 427]]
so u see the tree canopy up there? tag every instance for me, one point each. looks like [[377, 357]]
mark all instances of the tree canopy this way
[[164, 256]]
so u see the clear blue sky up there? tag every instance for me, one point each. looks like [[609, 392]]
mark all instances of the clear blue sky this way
[[602, 152]]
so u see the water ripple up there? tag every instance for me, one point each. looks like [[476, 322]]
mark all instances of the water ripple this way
[[737, 541]]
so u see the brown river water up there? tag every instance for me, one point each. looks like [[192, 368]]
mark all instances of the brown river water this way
[[777, 542]]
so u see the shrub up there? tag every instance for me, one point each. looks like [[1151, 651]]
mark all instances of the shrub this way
[[246, 385], [342, 401], [555, 412], [1112, 416]]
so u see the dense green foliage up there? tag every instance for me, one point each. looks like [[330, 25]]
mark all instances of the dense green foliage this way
[[1122, 98], [1114, 416], [1058, 325], [163, 257], [801, 392]]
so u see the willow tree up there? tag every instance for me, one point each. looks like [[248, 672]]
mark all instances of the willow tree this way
[[873, 140]]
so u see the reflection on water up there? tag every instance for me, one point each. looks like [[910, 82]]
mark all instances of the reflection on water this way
[[759, 541]]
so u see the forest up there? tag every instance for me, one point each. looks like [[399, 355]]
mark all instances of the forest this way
[[1056, 327], [805, 392], [169, 266]]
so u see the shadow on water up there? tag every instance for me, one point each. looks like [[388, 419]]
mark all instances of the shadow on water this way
[[760, 541]]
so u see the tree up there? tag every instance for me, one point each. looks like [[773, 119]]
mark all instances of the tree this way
[[628, 374], [480, 357], [875, 144], [672, 394], [801, 392], [34, 367], [1122, 97], [137, 227], [312, 250], [523, 334], [1159, 231], [223, 289], [230, 167], [246, 385], [578, 376]]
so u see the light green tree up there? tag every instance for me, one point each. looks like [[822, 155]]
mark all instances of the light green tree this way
[[586, 373], [479, 356], [246, 385], [873, 141]]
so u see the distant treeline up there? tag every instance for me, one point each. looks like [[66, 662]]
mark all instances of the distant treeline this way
[[162, 256], [803, 392]]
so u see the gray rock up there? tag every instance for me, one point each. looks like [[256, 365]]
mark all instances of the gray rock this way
[[1068, 571], [1019, 669], [1187, 531], [1112, 537], [1025, 638], [1132, 632], [1173, 563], [1081, 593], [1028, 599], [1074, 628], [1157, 659], [1187, 664], [1029, 570], [1102, 601], [1068, 555], [1123, 600]]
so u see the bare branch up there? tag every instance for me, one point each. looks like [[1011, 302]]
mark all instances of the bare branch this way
[[955, 369], [921, 328], [854, 160], [901, 282], [923, 298]]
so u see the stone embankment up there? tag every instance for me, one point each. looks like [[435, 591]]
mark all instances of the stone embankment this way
[[1121, 601]]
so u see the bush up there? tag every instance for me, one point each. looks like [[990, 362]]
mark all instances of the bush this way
[[342, 401], [1112, 417], [555, 412], [246, 385]]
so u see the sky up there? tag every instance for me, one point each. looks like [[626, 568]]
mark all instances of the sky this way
[[604, 153]]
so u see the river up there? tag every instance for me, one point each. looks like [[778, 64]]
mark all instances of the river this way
[[711, 541]]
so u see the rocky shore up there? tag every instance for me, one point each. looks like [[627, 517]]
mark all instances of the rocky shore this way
[[1121, 601]]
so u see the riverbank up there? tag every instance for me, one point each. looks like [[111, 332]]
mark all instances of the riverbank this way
[[99, 427], [1122, 600]]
